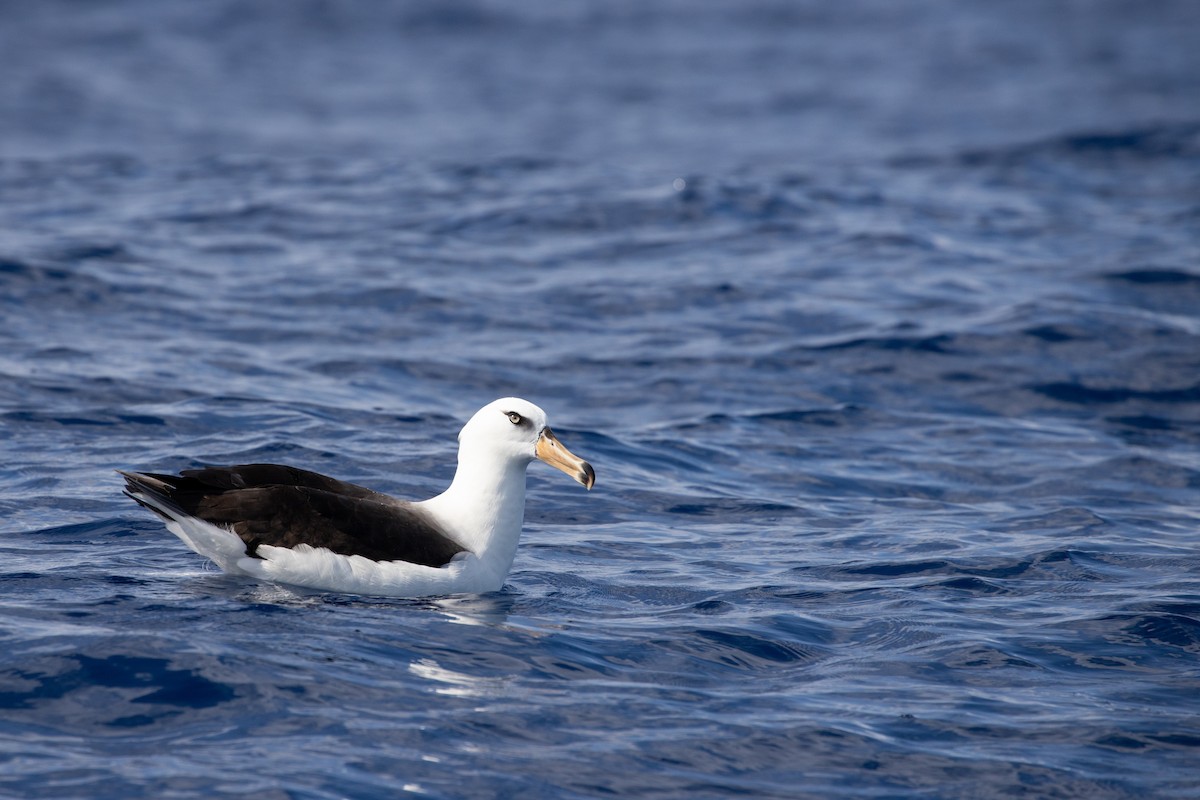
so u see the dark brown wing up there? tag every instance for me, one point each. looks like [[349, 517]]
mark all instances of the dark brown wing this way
[[268, 504]]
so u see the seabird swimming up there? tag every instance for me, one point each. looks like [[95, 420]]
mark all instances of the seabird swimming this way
[[293, 526]]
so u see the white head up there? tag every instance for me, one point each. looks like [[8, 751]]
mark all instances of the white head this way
[[516, 431]]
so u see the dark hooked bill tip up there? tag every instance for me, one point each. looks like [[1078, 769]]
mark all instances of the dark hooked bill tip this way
[[587, 475]]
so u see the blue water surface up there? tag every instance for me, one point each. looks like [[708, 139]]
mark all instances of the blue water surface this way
[[880, 324]]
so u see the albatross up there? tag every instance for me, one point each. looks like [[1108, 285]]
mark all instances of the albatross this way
[[292, 526]]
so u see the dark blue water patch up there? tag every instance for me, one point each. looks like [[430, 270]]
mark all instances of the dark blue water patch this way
[[1187, 608], [756, 650], [55, 680], [59, 353], [986, 657], [974, 586], [21, 576], [1082, 394], [9, 266], [843, 416], [1150, 276], [1168, 142], [1153, 630], [729, 651], [77, 252], [713, 607], [1145, 422], [1182, 740], [1051, 333], [1149, 430], [1151, 143], [96, 530], [34, 417], [730, 507], [940, 343], [25, 281], [1049, 565], [1158, 288], [1094, 649]]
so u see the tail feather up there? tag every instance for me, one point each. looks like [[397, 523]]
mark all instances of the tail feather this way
[[154, 492], [139, 486], [145, 504], [161, 483]]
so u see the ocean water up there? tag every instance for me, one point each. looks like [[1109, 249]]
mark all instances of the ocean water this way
[[880, 325]]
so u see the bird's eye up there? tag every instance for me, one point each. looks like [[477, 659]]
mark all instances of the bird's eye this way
[[514, 418]]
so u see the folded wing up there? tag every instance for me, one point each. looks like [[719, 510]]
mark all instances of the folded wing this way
[[269, 504]]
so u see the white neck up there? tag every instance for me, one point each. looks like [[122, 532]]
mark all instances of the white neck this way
[[484, 508]]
